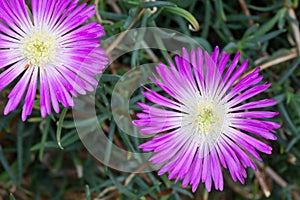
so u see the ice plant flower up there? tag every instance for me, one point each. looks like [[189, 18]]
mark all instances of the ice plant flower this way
[[47, 45], [207, 120]]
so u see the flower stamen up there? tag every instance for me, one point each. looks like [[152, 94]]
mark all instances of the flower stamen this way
[[205, 119], [39, 48]]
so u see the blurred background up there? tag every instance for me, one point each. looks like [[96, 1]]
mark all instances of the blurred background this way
[[34, 166]]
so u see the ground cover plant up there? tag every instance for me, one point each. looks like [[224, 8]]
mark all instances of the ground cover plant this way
[[49, 151]]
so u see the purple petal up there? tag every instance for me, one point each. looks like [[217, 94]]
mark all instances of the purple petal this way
[[255, 104], [248, 94], [255, 114], [17, 93], [30, 96], [248, 141]]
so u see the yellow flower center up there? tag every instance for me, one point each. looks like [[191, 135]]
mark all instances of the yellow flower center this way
[[39, 48], [206, 118]]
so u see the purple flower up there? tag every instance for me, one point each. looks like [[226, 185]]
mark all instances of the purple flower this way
[[49, 48], [206, 123]]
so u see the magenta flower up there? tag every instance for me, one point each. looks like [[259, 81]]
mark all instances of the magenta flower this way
[[206, 123], [50, 49]]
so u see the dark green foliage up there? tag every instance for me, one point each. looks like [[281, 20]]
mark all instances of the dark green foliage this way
[[45, 159]]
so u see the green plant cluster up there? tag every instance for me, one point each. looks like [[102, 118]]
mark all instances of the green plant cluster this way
[[45, 158]]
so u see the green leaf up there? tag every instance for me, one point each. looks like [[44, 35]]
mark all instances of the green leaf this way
[[152, 4], [268, 8], [69, 138], [59, 127], [12, 197], [110, 78], [6, 166], [250, 30], [220, 9], [292, 143], [231, 47], [112, 16], [87, 193], [281, 20], [267, 26], [203, 43], [267, 37], [110, 143], [122, 188], [20, 151], [207, 18], [45, 131], [132, 13], [43, 146], [149, 190], [139, 39], [187, 15], [287, 118], [290, 70]]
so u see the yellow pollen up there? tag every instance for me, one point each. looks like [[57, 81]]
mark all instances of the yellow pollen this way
[[39, 48], [206, 118]]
